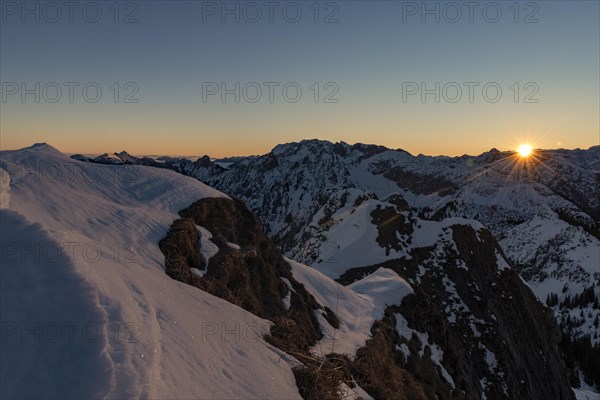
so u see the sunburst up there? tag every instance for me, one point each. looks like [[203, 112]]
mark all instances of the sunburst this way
[[525, 150], [523, 164]]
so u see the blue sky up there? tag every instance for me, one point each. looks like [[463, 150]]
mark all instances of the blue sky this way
[[368, 57]]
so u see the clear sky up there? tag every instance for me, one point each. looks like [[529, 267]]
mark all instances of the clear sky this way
[[373, 57]]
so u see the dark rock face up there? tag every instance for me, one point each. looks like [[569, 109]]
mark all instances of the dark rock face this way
[[250, 277], [181, 253], [203, 161], [379, 368], [399, 202], [270, 162], [260, 278], [415, 182], [496, 338], [512, 324], [81, 157], [394, 228]]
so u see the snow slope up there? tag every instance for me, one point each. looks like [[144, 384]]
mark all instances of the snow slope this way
[[353, 236], [357, 306], [87, 309], [586, 395]]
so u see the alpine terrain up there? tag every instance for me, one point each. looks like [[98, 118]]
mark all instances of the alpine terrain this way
[[317, 271]]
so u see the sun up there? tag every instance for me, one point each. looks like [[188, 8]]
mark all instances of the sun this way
[[524, 150]]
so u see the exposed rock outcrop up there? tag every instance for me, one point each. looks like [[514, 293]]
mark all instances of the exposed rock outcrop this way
[[496, 339], [249, 275]]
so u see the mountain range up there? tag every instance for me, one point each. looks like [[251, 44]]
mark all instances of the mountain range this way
[[319, 271]]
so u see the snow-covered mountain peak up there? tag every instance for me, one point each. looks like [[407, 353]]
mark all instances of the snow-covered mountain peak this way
[[40, 148]]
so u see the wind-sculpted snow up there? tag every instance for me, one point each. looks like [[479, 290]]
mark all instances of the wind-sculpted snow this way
[[357, 306], [80, 250], [56, 337]]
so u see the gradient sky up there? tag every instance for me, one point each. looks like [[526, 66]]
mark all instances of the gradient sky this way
[[368, 54]]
